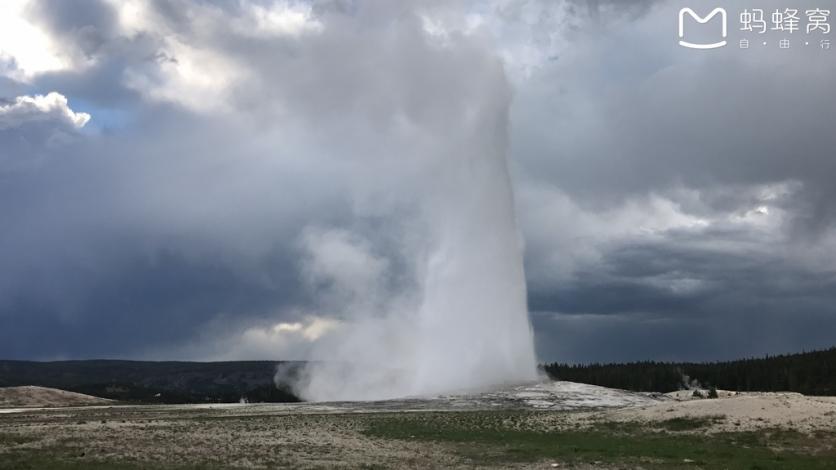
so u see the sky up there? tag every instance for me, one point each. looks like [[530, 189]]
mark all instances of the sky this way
[[216, 180]]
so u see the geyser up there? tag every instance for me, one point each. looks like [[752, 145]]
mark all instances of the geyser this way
[[436, 175]]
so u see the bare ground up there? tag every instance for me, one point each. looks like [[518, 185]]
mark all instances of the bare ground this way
[[744, 412], [281, 436]]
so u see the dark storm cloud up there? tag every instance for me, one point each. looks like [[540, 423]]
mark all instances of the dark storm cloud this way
[[88, 31], [85, 25], [102, 84], [589, 338], [675, 302], [737, 144], [119, 245], [132, 240], [686, 298], [630, 113], [9, 87], [126, 239], [138, 303], [676, 279]]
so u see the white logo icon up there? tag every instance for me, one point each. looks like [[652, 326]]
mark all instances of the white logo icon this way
[[702, 20]]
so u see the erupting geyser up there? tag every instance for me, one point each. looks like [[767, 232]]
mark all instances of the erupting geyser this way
[[461, 323]]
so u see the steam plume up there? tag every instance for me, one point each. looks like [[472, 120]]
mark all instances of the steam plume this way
[[447, 311]]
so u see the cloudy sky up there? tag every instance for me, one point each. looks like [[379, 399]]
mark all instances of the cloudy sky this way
[[213, 179]]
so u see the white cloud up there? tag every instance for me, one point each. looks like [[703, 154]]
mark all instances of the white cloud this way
[[195, 77], [567, 236], [281, 340], [311, 330], [287, 339], [281, 19], [53, 106], [30, 48], [196, 73]]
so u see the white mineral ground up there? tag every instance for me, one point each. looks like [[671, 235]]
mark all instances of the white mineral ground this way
[[743, 411]]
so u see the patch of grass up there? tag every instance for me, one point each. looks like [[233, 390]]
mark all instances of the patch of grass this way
[[32, 461], [9, 439], [618, 427], [620, 446], [67, 458], [689, 423]]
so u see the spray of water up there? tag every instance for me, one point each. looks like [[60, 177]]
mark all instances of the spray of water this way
[[459, 321]]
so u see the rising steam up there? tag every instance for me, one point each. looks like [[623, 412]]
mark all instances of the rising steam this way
[[443, 307]]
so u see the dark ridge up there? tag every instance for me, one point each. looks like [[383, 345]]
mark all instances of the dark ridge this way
[[158, 382], [810, 373]]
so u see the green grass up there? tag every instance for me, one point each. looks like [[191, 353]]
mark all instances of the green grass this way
[[9, 439], [477, 438], [15, 456], [58, 459], [690, 424], [488, 441], [33, 461]]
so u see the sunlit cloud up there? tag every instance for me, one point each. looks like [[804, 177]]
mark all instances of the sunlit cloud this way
[[26, 109], [30, 49]]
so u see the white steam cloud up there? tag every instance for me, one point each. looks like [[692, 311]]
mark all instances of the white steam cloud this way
[[443, 306]]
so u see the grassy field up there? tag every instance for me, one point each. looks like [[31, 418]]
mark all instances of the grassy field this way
[[487, 439], [184, 438]]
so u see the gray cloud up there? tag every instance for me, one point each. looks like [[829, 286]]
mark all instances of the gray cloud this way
[[674, 204], [673, 198], [83, 26]]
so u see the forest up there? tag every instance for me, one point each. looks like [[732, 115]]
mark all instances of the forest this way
[[810, 373], [156, 382]]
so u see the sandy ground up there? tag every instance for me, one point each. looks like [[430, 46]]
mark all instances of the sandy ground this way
[[224, 437], [333, 435], [29, 396], [742, 412]]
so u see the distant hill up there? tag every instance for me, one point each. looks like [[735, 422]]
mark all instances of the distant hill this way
[[810, 373], [155, 382], [29, 396]]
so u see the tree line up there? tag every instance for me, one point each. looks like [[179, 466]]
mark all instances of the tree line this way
[[810, 373]]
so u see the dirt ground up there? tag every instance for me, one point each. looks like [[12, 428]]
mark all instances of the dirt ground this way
[[744, 412], [279, 436], [167, 436]]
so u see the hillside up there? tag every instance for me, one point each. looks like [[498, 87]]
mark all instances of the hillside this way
[[29, 396], [154, 382], [810, 373]]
